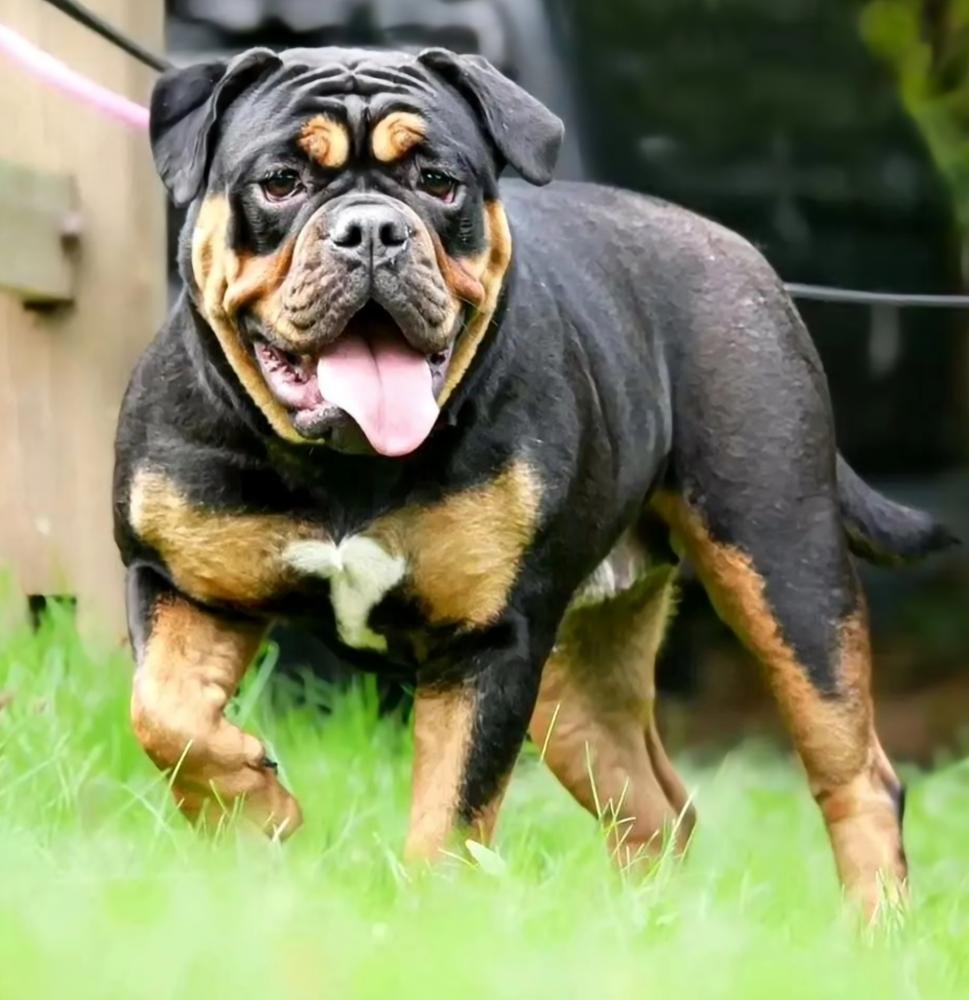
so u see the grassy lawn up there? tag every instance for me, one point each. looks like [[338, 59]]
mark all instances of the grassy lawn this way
[[104, 893]]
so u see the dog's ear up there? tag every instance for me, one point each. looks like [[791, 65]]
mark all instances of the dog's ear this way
[[523, 130], [185, 105]]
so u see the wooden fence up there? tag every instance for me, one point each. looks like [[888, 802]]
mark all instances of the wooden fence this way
[[64, 364]]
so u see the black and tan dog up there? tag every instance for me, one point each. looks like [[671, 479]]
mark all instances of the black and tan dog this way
[[466, 430]]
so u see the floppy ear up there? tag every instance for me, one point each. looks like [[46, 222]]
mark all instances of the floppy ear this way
[[185, 104], [524, 131]]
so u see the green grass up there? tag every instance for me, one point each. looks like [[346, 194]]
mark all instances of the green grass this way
[[105, 893]]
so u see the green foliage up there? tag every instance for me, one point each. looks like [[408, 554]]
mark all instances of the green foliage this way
[[926, 43], [104, 892]]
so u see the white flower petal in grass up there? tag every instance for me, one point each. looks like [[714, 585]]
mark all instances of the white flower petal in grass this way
[[489, 861]]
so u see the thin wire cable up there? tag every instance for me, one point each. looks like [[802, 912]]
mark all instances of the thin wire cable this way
[[853, 296], [90, 20]]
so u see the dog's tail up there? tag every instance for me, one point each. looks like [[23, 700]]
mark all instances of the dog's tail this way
[[882, 531]]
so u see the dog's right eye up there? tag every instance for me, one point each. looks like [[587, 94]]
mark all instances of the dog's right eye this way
[[438, 185], [281, 184]]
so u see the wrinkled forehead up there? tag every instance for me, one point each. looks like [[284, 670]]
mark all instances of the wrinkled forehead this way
[[357, 88]]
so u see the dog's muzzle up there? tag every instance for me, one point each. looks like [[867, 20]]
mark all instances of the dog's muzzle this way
[[364, 325]]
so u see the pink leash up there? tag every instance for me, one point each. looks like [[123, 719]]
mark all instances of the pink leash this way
[[54, 73]]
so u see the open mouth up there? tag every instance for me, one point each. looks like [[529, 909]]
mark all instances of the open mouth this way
[[370, 373]]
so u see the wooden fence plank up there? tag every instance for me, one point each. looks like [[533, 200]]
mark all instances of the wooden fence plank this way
[[62, 372], [39, 226]]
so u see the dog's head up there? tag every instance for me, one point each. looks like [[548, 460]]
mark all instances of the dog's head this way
[[345, 241]]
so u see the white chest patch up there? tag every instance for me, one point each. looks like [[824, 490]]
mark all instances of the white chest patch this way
[[360, 572]]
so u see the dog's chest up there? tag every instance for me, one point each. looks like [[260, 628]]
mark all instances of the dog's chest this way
[[455, 561], [360, 571]]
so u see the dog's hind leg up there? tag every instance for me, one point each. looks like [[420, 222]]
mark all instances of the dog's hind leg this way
[[594, 718], [752, 495], [784, 582], [189, 664]]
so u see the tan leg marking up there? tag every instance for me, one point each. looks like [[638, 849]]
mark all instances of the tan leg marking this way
[[191, 667], [396, 135], [862, 821], [594, 718], [672, 784], [834, 736], [464, 553], [326, 141], [442, 738], [215, 556]]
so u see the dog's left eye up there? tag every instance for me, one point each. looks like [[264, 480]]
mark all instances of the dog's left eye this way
[[438, 185], [281, 184]]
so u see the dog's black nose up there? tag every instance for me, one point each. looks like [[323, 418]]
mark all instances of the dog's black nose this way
[[369, 231]]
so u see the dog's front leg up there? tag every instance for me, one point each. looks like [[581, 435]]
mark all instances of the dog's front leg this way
[[469, 723], [189, 664]]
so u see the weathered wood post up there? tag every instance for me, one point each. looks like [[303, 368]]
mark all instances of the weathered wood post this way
[[82, 289]]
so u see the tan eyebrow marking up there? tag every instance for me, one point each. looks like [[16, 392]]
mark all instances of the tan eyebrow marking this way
[[326, 141], [396, 135]]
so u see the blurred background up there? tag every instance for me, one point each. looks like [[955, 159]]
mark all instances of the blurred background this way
[[834, 134]]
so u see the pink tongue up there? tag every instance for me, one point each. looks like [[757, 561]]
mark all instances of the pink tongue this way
[[384, 384]]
